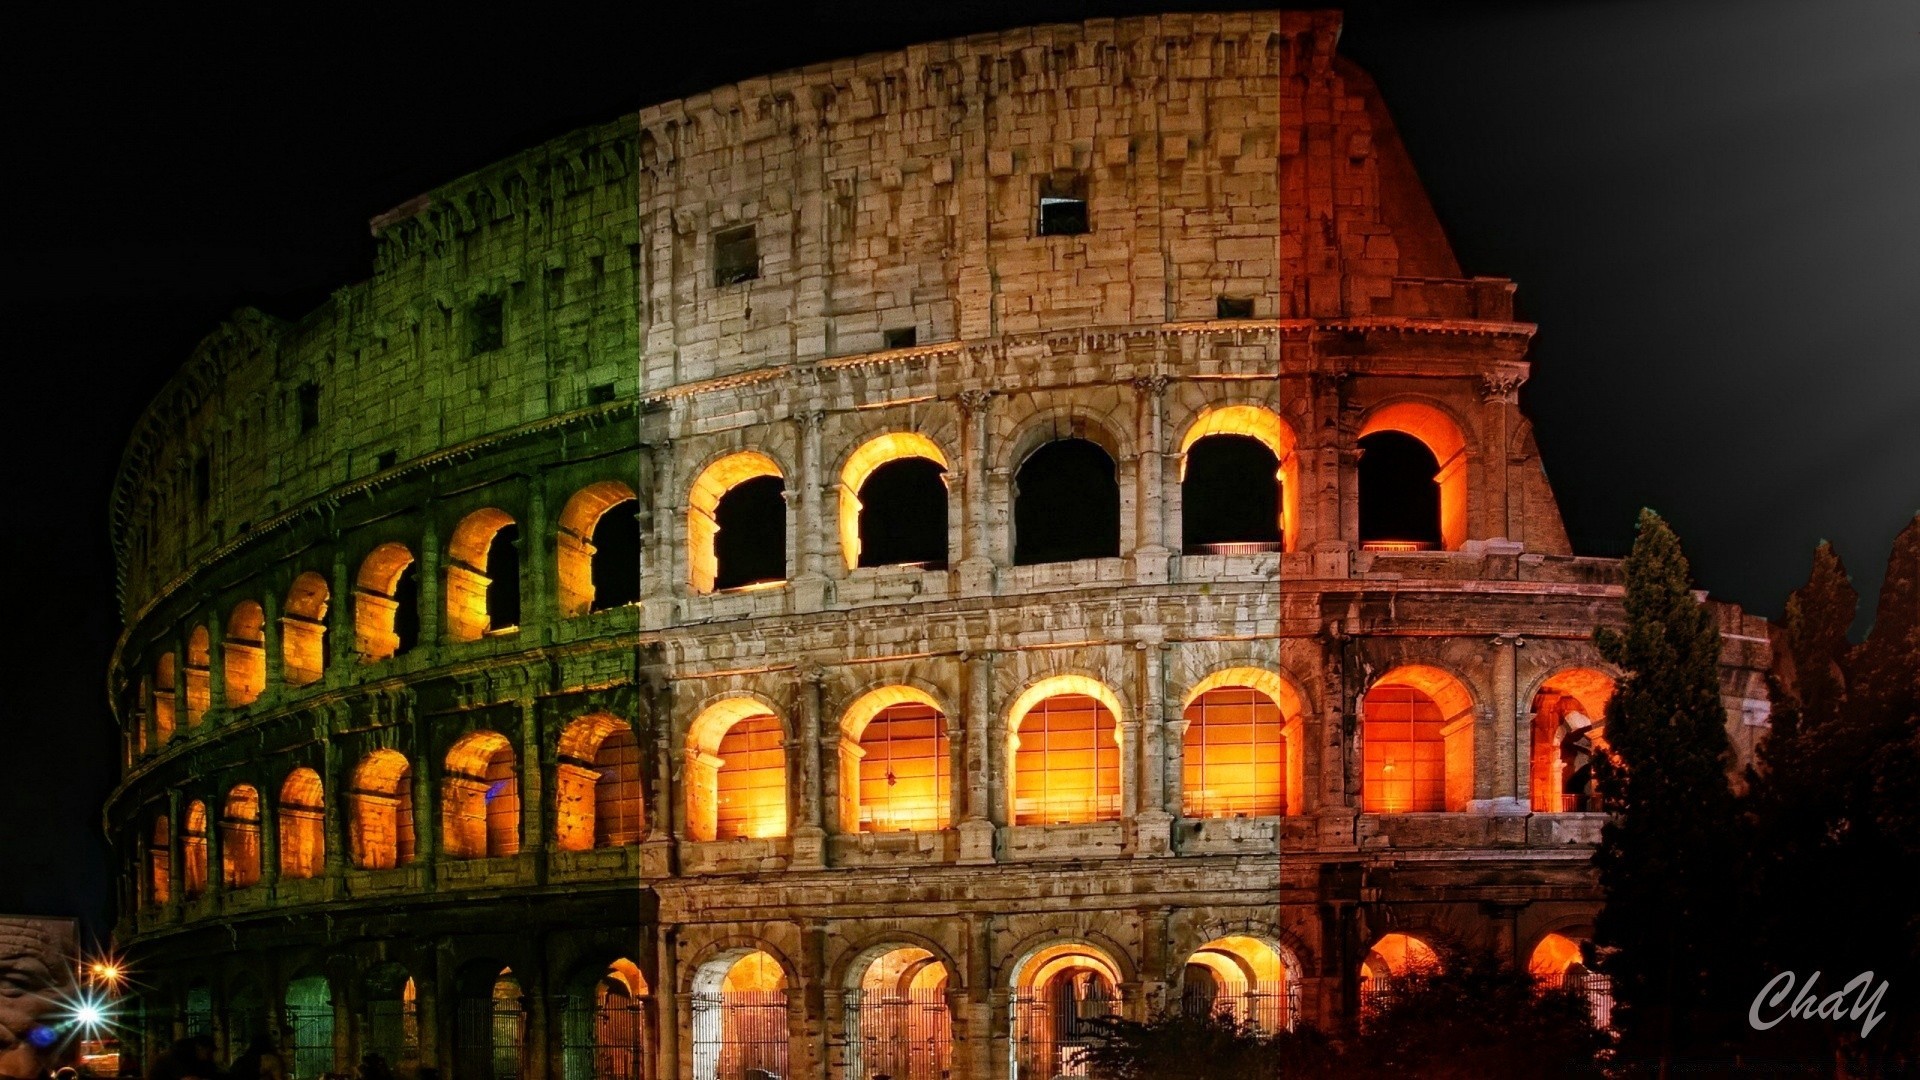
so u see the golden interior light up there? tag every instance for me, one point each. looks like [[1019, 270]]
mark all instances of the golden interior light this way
[[875, 452], [736, 766], [1442, 436], [1065, 746], [1417, 743]]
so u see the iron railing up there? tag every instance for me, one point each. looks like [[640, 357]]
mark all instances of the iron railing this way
[[1051, 1038], [487, 1038], [609, 1042], [899, 1036], [310, 1041], [740, 1035]]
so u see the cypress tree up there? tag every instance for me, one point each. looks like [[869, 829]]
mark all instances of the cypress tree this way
[[1670, 851]]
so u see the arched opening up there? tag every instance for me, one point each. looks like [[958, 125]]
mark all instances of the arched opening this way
[[737, 524], [160, 862], [607, 1030], [393, 1016], [1239, 478], [1244, 977], [736, 772], [1066, 504], [386, 604], [1059, 995], [193, 850], [1066, 753], [303, 630], [897, 1021], [248, 1019], [1236, 759], [1557, 962], [597, 800], [163, 700], [483, 576], [199, 675], [303, 832], [380, 802], [893, 503], [599, 549], [480, 798], [1413, 480], [1392, 956], [893, 763], [740, 1017], [245, 651], [1417, 743], [490, 1024], [1568, 732], [199, 1011], [310, 1026], [240, 838]]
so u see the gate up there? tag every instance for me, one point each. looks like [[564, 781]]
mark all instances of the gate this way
[[393, 1031], [740, 1035], [310, 1031], [1051, 1037], [899, 1036], [611, 1042], [487, 1038]]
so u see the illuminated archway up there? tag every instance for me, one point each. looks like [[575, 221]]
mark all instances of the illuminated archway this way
[[309, 1021], [1417, 742], [745, 483], [609, 1025], [199, 675], [1059, 995], [303, 630], [380, 800], [1392, 956], [911, 520], [492, 1022], [386, 603], [740, 1019], [240, 837], [164, 700], [736, 772], [1242, 976], [897, 1020], [1282, 480], [483, 576], [1238, 753], [893, 762], [598, 570], [193, 850], [245, 653], [1064, 742], [1441, 437], [160, 862], [303, 835], [393, 1015], [1066, 503], [480, 798], [1568, 732], [1557, 962], [597, 785]]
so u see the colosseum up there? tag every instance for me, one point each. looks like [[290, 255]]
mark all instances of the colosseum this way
[[856, 572]]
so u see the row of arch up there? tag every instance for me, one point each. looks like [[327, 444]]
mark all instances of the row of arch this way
[[597, 553]]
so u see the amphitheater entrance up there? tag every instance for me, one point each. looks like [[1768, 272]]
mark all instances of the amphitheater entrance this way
[[393, 1016], [1557, 962], [740, 1027], [1059, 996], [897, 1022], [247, 1017], [1393, 956], [608, 1026], [490, 1025], [1244, 977], [309, 1006]]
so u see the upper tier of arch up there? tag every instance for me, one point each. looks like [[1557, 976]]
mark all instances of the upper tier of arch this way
[[873, 205]]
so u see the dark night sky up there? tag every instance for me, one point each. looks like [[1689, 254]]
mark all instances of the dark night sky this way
[[1712, 209]]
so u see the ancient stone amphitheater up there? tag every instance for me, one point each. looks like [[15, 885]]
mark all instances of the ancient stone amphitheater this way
[[857, 572]]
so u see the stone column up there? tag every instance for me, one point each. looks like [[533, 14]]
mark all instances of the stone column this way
[[1151, 548], [334, 773], [1154, 817], [666, 997], [662, 539], [533, 783], [1500, 393], [176, 854], [979, 1046], [809, 834], [216, 675], [539, 604], [216, 850], [976, 562], [432, 589], [426, 812], [341, 652], [270, 839], [1501, 789], [977, 828], [274, 640], [809, 584]]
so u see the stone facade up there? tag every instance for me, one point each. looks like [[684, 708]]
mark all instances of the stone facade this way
[[655, 312]]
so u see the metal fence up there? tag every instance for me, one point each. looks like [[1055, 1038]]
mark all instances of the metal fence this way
[[393, 1031], [1269, 1006], [310, 1039], [1051, 1036], [611, 1042], [487, 1038], [740, 1036], [899, 1036]]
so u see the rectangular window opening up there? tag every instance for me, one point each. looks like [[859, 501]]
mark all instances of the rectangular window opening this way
[[903, 338], [386, 460], [486, 325], [202, 479], [309, 407], [1063, 204], [600, 395], [736, 256], [1234, 307]]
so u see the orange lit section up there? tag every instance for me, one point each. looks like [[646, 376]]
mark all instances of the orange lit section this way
[[1436, 429], [703, 504], [1568, 711], [597, 785], [1394, 955], [302, 814], [164, 700], [1235, 759], [199, 675], [193, 849], [160, 862], [1066, 753], [376, 602], [240, 838], [893, 446], [1240, 976], [736, 784], [754, 973], [303, 630], [1552, 957], [468, 552], [1265, 425], [893, 762], [574, 544], [245, 651], [1417, 742], [380, 802], [480, 798]]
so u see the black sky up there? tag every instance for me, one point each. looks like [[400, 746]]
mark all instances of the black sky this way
[[1712, 209]]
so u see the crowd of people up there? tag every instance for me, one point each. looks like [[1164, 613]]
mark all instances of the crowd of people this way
[[196, 1059]]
